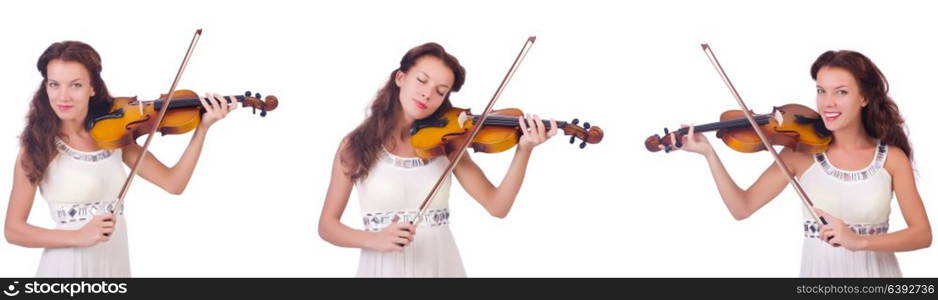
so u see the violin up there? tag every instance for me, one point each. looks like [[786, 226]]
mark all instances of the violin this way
[[129, 118], [792, 125], [443, 134]]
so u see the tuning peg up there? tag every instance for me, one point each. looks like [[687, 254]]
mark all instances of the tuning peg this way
[[257, 95], [263, 113], [666, 131], [678, 142], [572, 138], [586, 125], [575, 121], [253, 110], [583, 145], [247, 93]]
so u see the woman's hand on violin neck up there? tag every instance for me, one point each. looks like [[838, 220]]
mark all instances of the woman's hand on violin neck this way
[[691, 142], [392, 238], [216, 108], [533, 132], [98, 230], [837, 233]]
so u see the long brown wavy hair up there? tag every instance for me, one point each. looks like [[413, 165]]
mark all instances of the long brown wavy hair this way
[[42, 124], [881, 118], [365, 142]]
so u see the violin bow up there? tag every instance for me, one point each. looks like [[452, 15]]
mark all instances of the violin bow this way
[[159, 119], [475, 130], [768, 147]]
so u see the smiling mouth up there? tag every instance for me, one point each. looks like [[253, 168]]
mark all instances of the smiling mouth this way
[[830, 116]]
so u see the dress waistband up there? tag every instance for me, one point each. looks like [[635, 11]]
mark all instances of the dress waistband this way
[[376, 221], [77, 212], [811, 228]]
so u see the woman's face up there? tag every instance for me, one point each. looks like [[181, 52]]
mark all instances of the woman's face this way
[[424, 87], [68, 85], [838, 98]]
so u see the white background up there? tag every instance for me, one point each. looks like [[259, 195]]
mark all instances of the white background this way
[[613, 209]]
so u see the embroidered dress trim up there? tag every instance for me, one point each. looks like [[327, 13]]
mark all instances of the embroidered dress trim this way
[[81, 155], [69, 213], [403, 162], [860, 175], [379, 220], [811, 228]]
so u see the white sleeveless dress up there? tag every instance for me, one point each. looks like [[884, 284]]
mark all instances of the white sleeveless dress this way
[[77, 186], [861, 199], [392, 191]]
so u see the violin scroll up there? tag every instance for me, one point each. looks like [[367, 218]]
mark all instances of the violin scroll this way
[[588, 134], [269, 103], [657, 143]]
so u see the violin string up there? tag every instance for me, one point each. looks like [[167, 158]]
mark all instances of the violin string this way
[[188, 102], [510, 121], [768, 147], [733, 123]]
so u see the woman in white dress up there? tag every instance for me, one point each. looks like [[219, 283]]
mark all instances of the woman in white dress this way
[[378, 160], [851, 184], [80, 181]]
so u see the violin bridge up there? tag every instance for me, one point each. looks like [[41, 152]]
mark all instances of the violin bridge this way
[[779, 117], [462, 120]]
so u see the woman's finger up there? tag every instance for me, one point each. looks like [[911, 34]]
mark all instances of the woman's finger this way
[[541, 131], [553, 128], [523, 125]]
